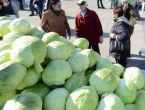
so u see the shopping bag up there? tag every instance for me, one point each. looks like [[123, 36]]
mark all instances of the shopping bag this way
[[132, 21]]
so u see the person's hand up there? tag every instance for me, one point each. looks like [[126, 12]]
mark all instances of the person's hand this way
[[140, 53], [113, 35], [125, 7], [131, 12], [101, 40], [69, 38]]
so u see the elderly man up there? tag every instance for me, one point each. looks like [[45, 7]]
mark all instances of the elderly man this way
[[128, 11]]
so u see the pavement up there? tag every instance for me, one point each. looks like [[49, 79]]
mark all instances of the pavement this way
[[70, 7]]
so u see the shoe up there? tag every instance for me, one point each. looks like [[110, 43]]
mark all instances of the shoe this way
[[31, 14], [99, 7], [111, 7], [23, 9], [103, 8]]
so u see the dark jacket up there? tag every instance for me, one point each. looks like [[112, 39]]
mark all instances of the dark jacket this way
[[121, 29], [39, 3], [89, 27], [4, 11], [128, 15]]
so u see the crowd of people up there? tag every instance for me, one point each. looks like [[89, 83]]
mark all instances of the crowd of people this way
[[54, 20]]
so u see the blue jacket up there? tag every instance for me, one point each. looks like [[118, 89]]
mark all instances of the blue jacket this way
[[39, 3]]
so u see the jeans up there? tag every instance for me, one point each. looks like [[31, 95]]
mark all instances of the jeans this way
[[65, 36], [32, 8], [112, 3]]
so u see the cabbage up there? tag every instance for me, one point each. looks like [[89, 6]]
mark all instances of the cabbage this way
[[56, 99], [118, 69], [56, 72], [98, 56], [40, 89], [131, 107], [140, 99], [104, 63], [79, 62], [135, 75], [81, 43], [84, 98], [104, 81], [11, 74], [78, 50], [33, 30], [126, 90], [110, 101], [30, 79], [11, 37], [69, 44], [29, 51], [50, 37], [4, 27], [4, 97], [5, 56], [39, 34], [75, 81], [4, 18], [91, 55], [26, 101], [57, 50], [5, 45], [20, 25], [88, 73]]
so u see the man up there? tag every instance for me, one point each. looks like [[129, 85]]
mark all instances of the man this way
[[21, 4], [32, 8], [128, 11], [101, 4]]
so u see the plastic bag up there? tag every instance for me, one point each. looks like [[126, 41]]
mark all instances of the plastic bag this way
[[132, 21]]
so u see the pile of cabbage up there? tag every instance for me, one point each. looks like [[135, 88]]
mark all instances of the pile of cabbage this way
[[44, 71]]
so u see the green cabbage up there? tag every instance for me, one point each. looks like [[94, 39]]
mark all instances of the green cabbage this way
[[98, 56], [5, 18], [81, 43], [126, 90], [5, 45], [135, 75], [84, 98], [4, 27], [110, 101], [11, 74], [79, 62], [39, 34], [75, 81], [57, 50], [56, 72], [56, 99], [33, 30], [118, 69], [104, 81], [20, 25], [131, 107], [78, 50], [5, 56]]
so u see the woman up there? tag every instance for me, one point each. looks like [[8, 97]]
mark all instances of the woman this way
[[4, 10], [120, 32], [12, 7], [88, 25], [56, 20]]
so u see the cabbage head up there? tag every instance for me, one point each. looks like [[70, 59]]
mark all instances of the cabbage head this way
[[5, 18], [75, 81], [91, 55], [56, 99], [56, 72], [135, 75], [104, 81], [81, 43], [40, 89], [131, 107], [79, 62], [12, 36], [57, 50], [104, 63], [4, 27], [110, 101], [5, 56], [26, 101], [20, 25], [38, 34], [118, 69], [29, 51], [33, 30], [11, 74], [78, 50], [84, 98], [4, 45], [126, 90]]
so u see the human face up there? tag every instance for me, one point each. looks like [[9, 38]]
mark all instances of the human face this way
[[114, 15], [124, 3], [82, 8], [57, 7]]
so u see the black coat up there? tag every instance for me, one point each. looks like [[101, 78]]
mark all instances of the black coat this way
[[121, 29]]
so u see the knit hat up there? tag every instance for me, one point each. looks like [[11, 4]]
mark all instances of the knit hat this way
[[82, 2]]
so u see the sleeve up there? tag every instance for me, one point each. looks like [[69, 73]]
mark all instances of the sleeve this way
[[67, 26], [43, 23], [124, 34], [98, 25], [135, 12], [15, 9], [77, 27]]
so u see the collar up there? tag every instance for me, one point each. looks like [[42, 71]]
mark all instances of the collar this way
[[87, 13]]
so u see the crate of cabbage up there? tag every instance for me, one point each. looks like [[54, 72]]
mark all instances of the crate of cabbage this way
[[44, 71]]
